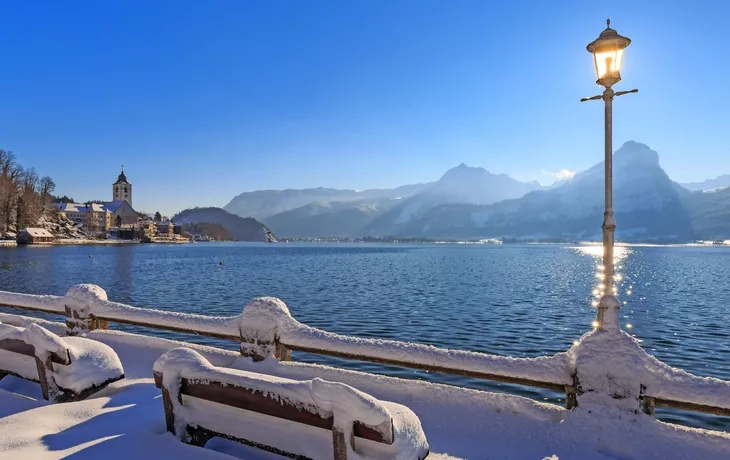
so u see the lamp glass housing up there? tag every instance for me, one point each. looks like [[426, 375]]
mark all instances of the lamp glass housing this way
[[608, 62]]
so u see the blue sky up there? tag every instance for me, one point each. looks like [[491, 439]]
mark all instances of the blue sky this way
[[203, 100]]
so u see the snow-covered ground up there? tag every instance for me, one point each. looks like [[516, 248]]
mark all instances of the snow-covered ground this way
[[126, 420]]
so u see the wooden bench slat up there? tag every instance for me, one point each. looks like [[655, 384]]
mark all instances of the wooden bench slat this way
[[26, 349], [243, 398], [256, 401]]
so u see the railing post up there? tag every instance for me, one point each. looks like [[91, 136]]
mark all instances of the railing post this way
[[260, 328], [648, 406], [616, 385], [78, 303], [282, 352], [571, 396]]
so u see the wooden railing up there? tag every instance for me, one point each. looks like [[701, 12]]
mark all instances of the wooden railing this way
[[102, 312]]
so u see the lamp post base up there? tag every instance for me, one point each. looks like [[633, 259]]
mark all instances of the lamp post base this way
[[608, 308]]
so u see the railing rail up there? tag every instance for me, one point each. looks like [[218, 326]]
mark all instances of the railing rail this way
[[86, 308]]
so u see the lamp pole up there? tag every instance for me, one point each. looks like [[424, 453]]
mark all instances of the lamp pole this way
[[608, 52], [609, 224]]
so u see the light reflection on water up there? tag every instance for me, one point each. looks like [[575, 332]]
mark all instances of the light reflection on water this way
[[619, 254], [515, 300]]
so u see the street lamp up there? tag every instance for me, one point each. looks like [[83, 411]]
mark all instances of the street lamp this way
[[608, 56]]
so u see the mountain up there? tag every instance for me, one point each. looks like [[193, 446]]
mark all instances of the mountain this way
[[648, 206], [239, 228], [380, 213], [709, 184], [464, 184], [214, 231], [264, 203], [336, 219], [711, 214], [471, 203]]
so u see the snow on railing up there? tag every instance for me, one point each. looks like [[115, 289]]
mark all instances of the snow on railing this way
[[605, 367], [268, 321], [671, 387], [42, 303]]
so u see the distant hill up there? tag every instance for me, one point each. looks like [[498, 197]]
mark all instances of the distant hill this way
[[264, 203], [239, 228], [214, 231], [709, 184]]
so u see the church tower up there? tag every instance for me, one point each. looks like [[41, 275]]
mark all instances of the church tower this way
[[122, 190]]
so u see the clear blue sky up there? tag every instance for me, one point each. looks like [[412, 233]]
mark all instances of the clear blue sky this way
[[203, 100]]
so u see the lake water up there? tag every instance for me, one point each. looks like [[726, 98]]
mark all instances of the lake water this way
[[516, 300]]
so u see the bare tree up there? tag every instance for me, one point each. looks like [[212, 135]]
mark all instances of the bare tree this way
[[24, 196]]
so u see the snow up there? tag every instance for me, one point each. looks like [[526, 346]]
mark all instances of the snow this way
[[125, 420], [261, 320], [32, 231], [89, 298], [49, 303], [612, 367], [44, 341], [91, 363]]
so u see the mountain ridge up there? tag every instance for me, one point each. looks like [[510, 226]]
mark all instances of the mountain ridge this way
[[471, 202]]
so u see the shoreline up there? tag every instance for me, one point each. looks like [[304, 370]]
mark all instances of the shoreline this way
[[67, 242]]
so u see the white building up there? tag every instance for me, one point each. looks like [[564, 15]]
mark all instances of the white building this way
[[92, 216]]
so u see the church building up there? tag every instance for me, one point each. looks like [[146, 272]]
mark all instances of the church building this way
[[121, 208]]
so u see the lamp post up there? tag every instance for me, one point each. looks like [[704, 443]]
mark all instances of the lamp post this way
[[608, 55]]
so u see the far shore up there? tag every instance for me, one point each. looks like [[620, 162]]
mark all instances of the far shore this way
[[88, 241]]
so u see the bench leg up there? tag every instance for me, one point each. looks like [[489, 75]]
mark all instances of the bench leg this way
[[340, 441], [42, 376], [169, 413]]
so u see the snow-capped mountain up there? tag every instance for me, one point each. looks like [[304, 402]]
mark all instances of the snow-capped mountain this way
[[648, 205]]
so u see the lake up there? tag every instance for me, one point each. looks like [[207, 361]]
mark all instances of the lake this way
[[516, 300]]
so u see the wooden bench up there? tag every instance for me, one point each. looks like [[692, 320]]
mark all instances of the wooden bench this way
[[18, 362], [193, 378]]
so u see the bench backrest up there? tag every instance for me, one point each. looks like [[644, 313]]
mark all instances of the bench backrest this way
[[252, 398], [12, 339]]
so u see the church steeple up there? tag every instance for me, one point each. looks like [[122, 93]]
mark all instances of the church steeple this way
[[122, 189], [122, 179]]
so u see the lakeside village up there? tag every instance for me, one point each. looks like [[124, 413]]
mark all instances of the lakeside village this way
[[115, 221]]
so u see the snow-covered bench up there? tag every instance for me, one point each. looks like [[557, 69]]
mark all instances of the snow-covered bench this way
[[299, 419], [68, 369]]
